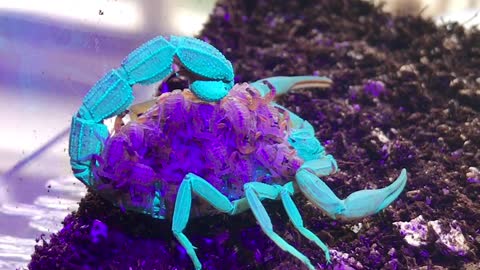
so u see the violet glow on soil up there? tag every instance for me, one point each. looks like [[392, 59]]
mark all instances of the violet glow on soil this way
[[425, 118]]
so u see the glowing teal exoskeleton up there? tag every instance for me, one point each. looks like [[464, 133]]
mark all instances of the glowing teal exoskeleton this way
[[230, 145]]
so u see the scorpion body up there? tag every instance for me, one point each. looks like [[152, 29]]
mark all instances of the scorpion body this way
[[214, 148]]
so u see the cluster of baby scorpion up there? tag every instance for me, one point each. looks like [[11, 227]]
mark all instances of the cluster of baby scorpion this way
[[229, 143]]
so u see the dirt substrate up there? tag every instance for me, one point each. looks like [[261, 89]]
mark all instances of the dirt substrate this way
[[406, 94]]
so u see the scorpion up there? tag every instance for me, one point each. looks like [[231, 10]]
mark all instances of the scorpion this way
[[217, 147]]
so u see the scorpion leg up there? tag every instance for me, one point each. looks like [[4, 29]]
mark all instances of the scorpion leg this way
[[357, 205], [282, 84], [254, 192], [292, 211], [181, 213]]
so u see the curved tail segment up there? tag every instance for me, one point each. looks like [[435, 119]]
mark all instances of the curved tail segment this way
[[202, 59], [149, 63]]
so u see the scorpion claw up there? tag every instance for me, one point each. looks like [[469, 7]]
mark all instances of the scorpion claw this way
[[282, 84], [371, 201], [357, 205]]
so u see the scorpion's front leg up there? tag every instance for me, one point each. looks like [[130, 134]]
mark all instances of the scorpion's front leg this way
[[195, 184]]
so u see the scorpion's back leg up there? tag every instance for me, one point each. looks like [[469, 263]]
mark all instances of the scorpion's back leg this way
[[285, 195], [181, 213], [254, 192]]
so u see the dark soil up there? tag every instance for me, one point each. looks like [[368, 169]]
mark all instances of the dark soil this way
[[417, 83]]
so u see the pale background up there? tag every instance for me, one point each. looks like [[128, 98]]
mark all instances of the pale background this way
[[51, 52]]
